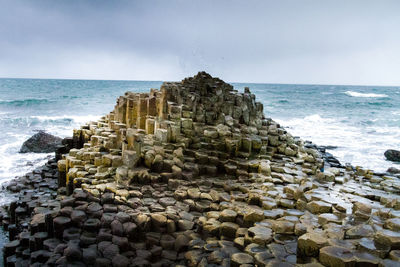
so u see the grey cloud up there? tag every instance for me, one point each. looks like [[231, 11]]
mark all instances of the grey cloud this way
[[341, 42]]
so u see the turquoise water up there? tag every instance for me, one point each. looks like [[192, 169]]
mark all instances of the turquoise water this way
[[361, 121]]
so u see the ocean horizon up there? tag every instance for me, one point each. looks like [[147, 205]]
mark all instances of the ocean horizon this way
[[357, 122]]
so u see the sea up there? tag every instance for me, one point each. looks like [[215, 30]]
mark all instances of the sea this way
[[357, 123]]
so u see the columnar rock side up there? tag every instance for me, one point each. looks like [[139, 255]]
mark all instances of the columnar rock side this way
[[193, 174]]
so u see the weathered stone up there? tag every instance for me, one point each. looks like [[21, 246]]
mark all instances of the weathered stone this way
[[283, 227], [253, 215], [240, 259], [41, 142], [228, 215], [309, 244], [359, 231], [228, 229], [325, 218], [393, 224], [78, 217], [336, 256], [73, 252], [318, 207], [260, 235], [389, 238]]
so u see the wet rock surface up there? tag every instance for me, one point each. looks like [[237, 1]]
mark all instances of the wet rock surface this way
[[41, 142], [392, 155], [193, 174]]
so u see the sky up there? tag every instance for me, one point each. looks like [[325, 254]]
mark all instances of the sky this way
[[298, 41]]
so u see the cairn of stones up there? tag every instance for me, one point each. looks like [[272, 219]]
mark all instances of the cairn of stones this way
[[193, 174]]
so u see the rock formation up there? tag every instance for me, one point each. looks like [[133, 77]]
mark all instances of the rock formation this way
[[392, 155], [193, 174], [41, 142]]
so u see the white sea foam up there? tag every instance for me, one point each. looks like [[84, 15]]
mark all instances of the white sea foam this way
[[363, 146], [77, 119], [15, 164], [358, 94]]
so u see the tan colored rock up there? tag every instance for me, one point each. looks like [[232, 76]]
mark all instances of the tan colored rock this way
[[228, 215], [318, 207], [336, 256], [283, 227], [325, 218], [393, 224], [388, 237], [240, 259], [228, 229], [309, 244], [359, 231], [253, 215], [260, 235]]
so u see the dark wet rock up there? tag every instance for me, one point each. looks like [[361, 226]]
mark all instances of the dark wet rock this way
[[121, 242], [120, 261], [92, 225], [78, 217], [103, 262], [73, 251], [117, 228], [130, 229], [60, 223], [392, 155], [393, 170], [89, 256], [71, 233], [41, 142]]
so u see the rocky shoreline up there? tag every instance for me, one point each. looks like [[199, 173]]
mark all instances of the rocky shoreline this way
[[194, 175]]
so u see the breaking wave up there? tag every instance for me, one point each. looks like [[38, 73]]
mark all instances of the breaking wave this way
[[358, 94], [25, 102]]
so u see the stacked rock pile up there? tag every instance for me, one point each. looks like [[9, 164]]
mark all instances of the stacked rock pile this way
[[194, 175]]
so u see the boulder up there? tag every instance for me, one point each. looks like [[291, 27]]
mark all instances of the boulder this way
[[393, 170], [41, 142], [392, 155]]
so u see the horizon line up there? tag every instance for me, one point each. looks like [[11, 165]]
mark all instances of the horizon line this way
[[236, 82]]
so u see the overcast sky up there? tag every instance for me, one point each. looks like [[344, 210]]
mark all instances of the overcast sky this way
[[328, 42]]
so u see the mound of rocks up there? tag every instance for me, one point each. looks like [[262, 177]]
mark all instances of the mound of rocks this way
[[193, 174], [41, 142]]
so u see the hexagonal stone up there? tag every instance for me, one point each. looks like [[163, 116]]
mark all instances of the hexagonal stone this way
[[388, 237], [359, 231], [252, 215], [228, 215], [325, 218], [309, 244], [260, 235], [336, 256], [228, 229], [283, 227], [393, 224], [239, 259], [318, 207]]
